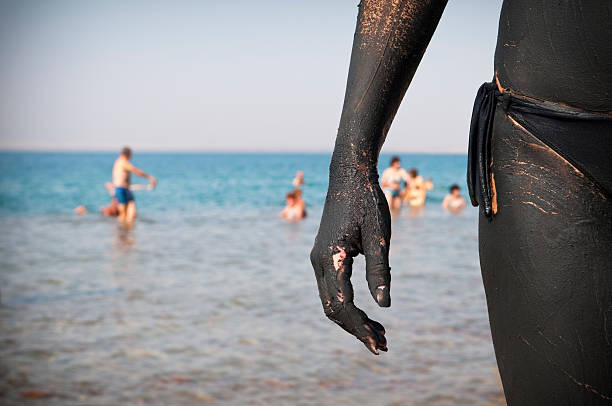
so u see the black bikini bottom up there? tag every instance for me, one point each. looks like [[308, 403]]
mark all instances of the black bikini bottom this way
[[583, 138]]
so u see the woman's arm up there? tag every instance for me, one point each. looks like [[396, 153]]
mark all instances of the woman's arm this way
[[389, 42]]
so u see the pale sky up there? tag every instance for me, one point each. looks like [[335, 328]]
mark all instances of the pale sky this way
[[219, 75]]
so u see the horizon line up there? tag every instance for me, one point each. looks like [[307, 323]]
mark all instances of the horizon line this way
[[208, 151]]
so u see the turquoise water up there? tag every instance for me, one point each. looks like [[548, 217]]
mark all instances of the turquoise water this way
[[54, 183], [210, 298]]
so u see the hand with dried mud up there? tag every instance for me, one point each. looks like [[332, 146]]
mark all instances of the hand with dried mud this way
[[389, 42], [355, 221]]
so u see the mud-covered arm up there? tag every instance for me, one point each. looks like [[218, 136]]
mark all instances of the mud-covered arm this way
[[389, 42]]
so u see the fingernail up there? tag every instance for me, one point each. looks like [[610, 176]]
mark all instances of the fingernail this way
[[382, 296]]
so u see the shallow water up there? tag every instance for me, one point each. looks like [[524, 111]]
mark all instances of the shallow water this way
[[208, 302]]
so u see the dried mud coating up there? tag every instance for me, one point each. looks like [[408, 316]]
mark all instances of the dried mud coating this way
[[389, 42], [558, 51], [546, 254], [546, 264]]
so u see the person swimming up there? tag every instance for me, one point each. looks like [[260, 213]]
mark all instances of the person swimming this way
[[80, 210], [453, 201], [391, 182], [415, 193], [298, 181], [295, 208]]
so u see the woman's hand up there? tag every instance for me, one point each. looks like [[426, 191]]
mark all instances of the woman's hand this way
[[389, 42], [355, 221]]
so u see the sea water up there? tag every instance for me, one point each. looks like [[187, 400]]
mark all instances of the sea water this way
[[210, 298]]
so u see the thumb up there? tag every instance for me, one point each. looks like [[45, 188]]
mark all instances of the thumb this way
[[378, 271], [375, 237]]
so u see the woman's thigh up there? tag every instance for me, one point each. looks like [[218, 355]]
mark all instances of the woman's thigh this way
[[546, 260]]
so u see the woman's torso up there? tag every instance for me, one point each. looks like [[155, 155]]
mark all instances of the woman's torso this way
[[560, 51]]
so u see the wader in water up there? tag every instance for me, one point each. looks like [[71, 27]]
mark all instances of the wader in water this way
[[540, 167]]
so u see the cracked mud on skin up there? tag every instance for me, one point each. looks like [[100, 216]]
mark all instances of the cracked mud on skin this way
[[545, 251], [389, 42], [546, 233], [545, 257]]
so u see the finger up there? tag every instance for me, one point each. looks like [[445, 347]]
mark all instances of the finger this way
[[375, 340], [338, 278], [378, 327], [315, 259], [375, 236], [337, 273]]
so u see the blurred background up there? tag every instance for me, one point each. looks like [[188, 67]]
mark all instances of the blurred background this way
[[210, 298]]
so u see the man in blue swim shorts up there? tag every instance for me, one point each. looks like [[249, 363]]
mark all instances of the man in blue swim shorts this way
[[123, 195], [122, 169]]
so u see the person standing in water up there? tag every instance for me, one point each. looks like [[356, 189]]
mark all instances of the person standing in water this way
[[295, 208], [453, 201], [122, 170], [392, 182], [299, 202], [415, 194]]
